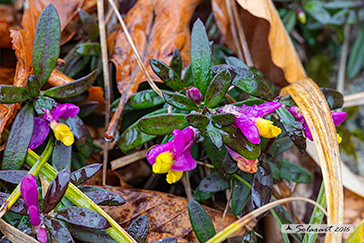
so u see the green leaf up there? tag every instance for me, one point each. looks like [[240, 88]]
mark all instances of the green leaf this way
[[72, 89], [241, 192], [90, 24], [233, 61], [356, 59], [198, 120], [215, 135], [19, 139], [216, 156], [57, 230], [139, 229], [88, 49], [213, 183], [167, 74], [13, 94], [250, 237], [132, 137], [200, 56], [162, 124], [83, 140], [201, 196], [61, 156], [217, 88], [200, 221], [223, 119], [339, 18], [188, 79], [290, 19], [43, 102], [339, 4], [334, 98], [316, 10], [179, 101], [176, 62], [145, 99], [46, 44], [293, 128], [33, 86], [292, 172]]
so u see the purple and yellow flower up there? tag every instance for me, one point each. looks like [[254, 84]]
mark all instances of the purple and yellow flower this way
[[29, 193], [61, 131], [249, 120], [338, 117], [247, 165], [174, 157]]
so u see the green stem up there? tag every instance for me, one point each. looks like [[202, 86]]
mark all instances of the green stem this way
[[242, 180], [317, 215], [14, 196]]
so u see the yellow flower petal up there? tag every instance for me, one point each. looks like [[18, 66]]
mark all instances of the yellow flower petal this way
[[266, 128], [62, 133], [163, 162], [339, 139], [174, 176]]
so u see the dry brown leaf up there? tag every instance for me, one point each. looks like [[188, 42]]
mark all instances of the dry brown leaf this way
[[269, 44], [157, 27], [5, 40], [166, 213]]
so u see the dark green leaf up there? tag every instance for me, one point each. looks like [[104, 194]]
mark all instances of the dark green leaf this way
[[179, 101], [198, 120], [81, 175], [90, 235], [162, 124], [356, 59], [166, 240], [168, 76], [132, 137], [57, 230], [289, 20], [286, 218], [87, 108], [19, 139], [200, 56], [72, 89], [316, 10], [201, 196], [217, 88], [176, 62], [216, 156], [12, 176], [287, 101], [145, 99], [88, 49], [213, 183], [90, 24], [139, 229], [215, 135], [56, 190], [233, 61], [46, 44], [223, 119], [293, 128], [101, 196], [18, 207], [250, 102], [61, 156], [339, 18], [262, 186], [339, 4], [13, 94], [250, 237], [292, 172], [200, 221], [43, 102], [33, 86], [241, 193], [77, 160], [83, 140], [83, 217], [275, 171], [188, 79]]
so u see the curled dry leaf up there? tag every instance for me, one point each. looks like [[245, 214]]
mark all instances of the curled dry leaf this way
[[166, 213], [157, 28], [5, 40], [270, 46]]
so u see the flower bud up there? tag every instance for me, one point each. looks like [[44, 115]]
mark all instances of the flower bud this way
[[195, 95], [301, 16]]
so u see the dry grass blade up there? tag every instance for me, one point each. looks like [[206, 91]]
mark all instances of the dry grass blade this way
[[313, 106], [242, 222], [128, 159], [15, 235], [353, 100]]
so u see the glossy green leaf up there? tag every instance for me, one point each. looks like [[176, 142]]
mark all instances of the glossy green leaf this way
[[179, 101], [233, 61], [217, 88], [223, 119], [162, 124], [198, 120], [83, 217], [213, 183], [287, 101], [262, 186], [339, 4], [290, 19], [200, 56], [145, 99], [13, 94], [88, 49], [12, 176], [90, 235], [200, 221], [241, 193], [57, 230], [216, 156], [139, 229], [19, 139], [283, 144], [215, 135], [33, 86], [356, 59], [87, 108], [83, 174], [90, 24], [201, 196], [133, 137], [61, 156], [317, 11], [72, 89], [43, 102], [176, 62], [18, 207], [334, 98], [188, 79], [101, 196], [46, 44], [292, 172], [293, 128], [167, 74]]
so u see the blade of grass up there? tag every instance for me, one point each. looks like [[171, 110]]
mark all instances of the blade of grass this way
[[357, 235]]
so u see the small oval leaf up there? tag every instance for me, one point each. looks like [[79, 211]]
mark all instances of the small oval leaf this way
[[241, 192], [167, 74], [88, 49], [33, 86], [262, 186], [200, 221], [13, 94], [334, 98], [57, 230], [176, 62], [90, 24], [90, 235], [213, 183], [61, 156], [179, 101], [139, 229], [12, 176], [217, 88], [18, 207], [198, 120], [81, 175], [101, 196], [293, 172], [145, 99], [223, 119], [163, 124]]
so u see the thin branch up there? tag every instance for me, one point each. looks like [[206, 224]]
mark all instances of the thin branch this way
[[128, 159], [227, 205], [344, 55], [187, 185]]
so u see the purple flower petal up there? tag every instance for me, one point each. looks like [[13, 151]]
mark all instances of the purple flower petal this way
[[266, 108], [34, 215], [249, 130], [293, 111], [154, 151], [338, 117], [65, 111], [29, 193], [307, 131], [185, 161], [42, 235], [179, 142], [40, 132]]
